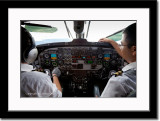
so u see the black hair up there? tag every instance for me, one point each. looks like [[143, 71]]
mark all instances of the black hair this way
[[130, 33], [27, 43]]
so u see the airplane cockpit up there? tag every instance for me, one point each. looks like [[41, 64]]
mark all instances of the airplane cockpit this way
[[86, 66]]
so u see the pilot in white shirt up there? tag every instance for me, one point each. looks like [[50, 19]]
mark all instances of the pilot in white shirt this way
[[123, 84], [34, 83], [37, 84]]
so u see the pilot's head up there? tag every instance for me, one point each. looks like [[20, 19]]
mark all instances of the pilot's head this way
[[128, 43], [28, 48]]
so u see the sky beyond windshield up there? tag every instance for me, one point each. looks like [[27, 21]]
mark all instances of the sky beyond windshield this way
[[97, 30]]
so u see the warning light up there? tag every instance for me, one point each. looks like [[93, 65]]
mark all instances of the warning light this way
[[74, 61], [93, 57], [90, 62]]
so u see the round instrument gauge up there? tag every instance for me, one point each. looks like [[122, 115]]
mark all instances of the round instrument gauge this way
[[114, 56], [100, 56], [46, 55], [113, 62], [59, 55]]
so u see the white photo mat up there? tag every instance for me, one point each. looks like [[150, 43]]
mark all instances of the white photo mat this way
[[141, 103]]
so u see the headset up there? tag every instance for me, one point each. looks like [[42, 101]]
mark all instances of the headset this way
[[29, 51]]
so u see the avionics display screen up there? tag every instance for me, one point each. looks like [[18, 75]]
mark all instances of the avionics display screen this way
[[53, 56], [106, 56]]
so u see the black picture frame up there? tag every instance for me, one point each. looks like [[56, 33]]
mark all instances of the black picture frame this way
[[152, 114]]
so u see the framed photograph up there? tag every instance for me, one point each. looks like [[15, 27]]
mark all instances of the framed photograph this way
[[69, 36]]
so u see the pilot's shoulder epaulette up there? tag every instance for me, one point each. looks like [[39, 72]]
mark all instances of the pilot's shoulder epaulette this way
[[118, 73]]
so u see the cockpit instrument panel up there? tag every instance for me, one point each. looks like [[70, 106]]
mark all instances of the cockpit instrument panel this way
[[81, 67], [79, 58]]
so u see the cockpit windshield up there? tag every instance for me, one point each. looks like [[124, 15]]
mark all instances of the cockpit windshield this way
[[63, 31]]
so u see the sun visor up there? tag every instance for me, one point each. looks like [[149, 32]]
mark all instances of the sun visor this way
[[43, 29]]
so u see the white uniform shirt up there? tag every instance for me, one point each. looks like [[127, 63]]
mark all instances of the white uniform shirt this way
[[36, 84], [121, 86]]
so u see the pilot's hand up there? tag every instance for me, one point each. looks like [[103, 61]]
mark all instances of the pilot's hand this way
[[56, 71], [105, 40]]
